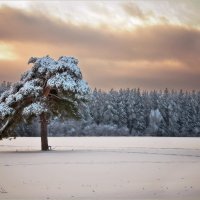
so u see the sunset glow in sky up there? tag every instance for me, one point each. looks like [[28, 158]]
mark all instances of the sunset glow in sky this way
[[148, 44]]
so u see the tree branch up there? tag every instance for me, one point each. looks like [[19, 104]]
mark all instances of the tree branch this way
[[57, 97]]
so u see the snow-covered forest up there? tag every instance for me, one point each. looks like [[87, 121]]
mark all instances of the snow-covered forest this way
[[129, 112]]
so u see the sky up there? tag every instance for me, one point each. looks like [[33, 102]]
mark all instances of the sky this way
[[150, 44]]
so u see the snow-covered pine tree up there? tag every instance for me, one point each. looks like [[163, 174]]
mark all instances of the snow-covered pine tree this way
[[173, 114], [50, 88], [114, 106], [97, 106], [121, 112], [140, 122], [189, 114], [110, 115], [147, 109], [197, 114], [129, 109], [164, 108]]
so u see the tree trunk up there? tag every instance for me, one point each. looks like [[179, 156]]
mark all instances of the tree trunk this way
[[43, 132]]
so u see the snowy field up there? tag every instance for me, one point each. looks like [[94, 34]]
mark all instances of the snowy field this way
[[103, 168]]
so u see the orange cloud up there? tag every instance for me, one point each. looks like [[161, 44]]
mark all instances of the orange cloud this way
[[148, 57]]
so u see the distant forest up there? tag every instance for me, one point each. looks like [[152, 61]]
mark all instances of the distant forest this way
[[128, 112]]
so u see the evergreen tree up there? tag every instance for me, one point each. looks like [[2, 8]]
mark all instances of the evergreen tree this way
[[139, 109], [164, 108], [49, 89]]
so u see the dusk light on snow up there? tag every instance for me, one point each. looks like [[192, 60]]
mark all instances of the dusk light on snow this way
[[99, 99]]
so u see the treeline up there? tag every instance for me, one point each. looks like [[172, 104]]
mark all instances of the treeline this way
[[130, 112], [156, 113], [133, 113]]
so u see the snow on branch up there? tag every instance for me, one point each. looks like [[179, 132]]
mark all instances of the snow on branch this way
[[47, 78], [34, 109], [5, 110]]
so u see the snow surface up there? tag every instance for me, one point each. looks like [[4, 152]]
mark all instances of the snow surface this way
[[96, 168]]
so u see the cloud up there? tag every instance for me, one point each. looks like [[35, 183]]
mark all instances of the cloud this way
[[159, 42], [146, 75], [186, 12], [148, 56], [133, 10]]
